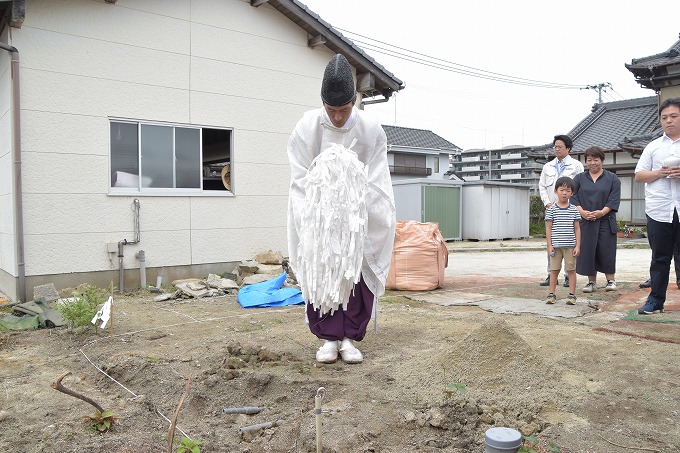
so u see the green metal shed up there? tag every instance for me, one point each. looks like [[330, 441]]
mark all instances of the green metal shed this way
[[431, 201]]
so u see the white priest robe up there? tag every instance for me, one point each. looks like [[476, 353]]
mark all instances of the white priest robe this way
[[313, 134]]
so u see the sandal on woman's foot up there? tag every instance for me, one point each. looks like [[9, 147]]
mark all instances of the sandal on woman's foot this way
[[349, 353], [328, 353]]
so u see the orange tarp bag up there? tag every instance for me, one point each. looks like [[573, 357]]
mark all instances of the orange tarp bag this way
[[419, 257]]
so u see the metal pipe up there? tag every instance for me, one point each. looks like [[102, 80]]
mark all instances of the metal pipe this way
[[243, 410], [121, 266], [264, 425], [18, 188], [142, 268]]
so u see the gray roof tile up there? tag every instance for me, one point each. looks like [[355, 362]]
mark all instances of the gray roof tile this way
[[612, 123], [417, 138], [657, 71], [671, 56]]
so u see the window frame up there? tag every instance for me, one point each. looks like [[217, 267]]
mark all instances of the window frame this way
[[409, 164], [140, 191]]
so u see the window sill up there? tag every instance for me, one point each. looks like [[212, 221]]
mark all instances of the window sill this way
[[169, 193]]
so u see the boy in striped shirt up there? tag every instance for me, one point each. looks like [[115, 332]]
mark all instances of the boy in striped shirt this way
[[563, 232]]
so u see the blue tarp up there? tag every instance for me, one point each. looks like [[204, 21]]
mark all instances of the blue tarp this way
[[269, 294]]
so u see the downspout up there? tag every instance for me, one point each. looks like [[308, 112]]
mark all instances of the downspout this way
[[18, 191], [121, 266]]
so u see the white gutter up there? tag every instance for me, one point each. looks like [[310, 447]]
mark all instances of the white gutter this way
[[18, 191]]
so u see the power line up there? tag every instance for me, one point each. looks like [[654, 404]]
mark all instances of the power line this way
[[618, 94], [600, 87], [438, 63], [608, 97], [479, 74]]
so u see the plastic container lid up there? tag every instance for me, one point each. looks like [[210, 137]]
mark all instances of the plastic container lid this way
[[503, 438], [671, 161]]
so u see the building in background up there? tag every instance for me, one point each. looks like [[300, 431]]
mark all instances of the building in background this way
[[659, 72], [619, 128], [418, 153], [508, 164], [624, 128]]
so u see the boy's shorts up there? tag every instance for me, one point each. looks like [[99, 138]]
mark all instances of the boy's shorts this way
[[569, 259]]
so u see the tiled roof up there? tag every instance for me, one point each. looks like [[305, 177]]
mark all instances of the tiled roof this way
[[656, 71], [417, 138], [611, 124], [636, 144], [671, 56]]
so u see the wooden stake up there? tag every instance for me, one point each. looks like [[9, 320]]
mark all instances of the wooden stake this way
[[111, 314], [173, 423]]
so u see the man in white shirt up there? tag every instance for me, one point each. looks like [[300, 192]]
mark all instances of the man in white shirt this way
[[659, 169], [562, 165]]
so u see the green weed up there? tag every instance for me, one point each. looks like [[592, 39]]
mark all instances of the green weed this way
[[531, 445], [187, 445], [101, 421], [455, 389]]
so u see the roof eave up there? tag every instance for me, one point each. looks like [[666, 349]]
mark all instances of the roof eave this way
[[386, 82]]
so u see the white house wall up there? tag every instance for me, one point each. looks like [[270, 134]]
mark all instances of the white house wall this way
[[217, 63], [8, 264], [621, 158]]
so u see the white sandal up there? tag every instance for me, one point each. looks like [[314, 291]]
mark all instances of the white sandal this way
[[349, 353], [328, 353]]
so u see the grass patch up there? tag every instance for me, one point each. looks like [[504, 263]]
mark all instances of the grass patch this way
[[395, 299], [537, 229], [633, 315]]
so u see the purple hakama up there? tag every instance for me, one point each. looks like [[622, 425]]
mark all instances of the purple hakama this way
[[350, 323]]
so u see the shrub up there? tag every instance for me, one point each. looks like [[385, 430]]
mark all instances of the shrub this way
[[536, 216], [85, 304], [537, 229], [536, 209]]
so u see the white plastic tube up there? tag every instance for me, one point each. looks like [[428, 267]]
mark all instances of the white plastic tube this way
[[141, 256], [320, 393]]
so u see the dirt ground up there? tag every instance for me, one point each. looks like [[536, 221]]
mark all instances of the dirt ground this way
[[435, 378]]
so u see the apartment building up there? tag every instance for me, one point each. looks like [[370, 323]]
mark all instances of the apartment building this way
[[508, 164]]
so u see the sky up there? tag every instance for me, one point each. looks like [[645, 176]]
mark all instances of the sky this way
[[572, 44]]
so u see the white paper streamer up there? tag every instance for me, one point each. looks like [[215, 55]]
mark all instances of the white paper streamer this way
[[104, 314], [333, 228]]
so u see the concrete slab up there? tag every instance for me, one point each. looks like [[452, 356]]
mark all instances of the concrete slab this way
[[449, 298], [508, 305], [600, 319], [538, 307], [632, 265]]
